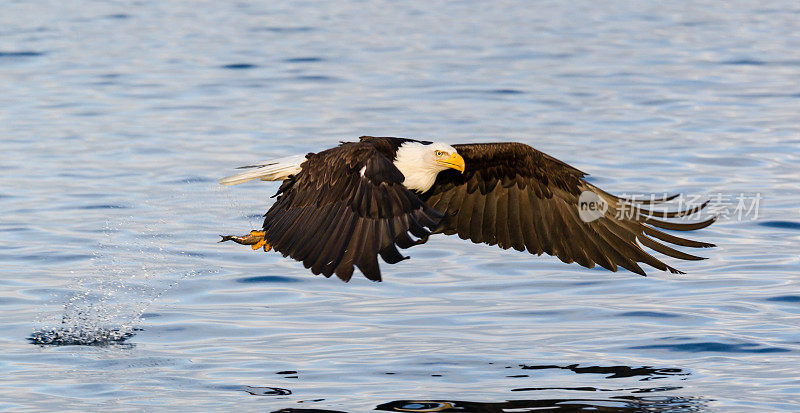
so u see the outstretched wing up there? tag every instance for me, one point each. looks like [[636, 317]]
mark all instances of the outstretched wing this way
[[517, 197], [345, 207]]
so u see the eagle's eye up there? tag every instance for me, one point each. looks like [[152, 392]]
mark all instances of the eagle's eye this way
[[439, 153]]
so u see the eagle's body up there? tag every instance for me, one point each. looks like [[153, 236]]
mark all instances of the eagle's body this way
[[345, 206]]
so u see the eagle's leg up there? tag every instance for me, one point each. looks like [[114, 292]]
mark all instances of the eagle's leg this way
[[255, 239]]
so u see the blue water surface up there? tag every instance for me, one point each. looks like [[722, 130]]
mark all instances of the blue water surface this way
[[117, 118]]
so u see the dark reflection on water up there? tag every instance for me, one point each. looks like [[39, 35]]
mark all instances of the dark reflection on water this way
[[267, 391], [632, 390], [628, 401], [613, 372], [611, 404]]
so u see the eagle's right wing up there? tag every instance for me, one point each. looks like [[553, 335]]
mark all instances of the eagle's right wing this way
[[515, 196]]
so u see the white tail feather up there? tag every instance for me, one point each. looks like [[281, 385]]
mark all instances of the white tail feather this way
[[276, 170]]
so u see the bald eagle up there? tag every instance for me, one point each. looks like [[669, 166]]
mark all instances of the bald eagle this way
[[345, 206]]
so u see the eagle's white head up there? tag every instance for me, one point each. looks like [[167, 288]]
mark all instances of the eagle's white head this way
[[420, 163]]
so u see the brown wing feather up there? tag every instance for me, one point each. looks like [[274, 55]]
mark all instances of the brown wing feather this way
[[332, 217], [514, 196]]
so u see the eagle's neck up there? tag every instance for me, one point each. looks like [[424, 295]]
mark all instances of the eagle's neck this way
[[413, 160]]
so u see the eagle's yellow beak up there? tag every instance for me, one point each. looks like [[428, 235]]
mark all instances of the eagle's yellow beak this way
[[455, 161]]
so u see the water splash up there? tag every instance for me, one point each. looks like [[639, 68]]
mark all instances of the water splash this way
[[81, 336], [127, 273]]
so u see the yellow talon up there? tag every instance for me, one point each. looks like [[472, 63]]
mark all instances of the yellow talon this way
[[255, 240], [259, 244]]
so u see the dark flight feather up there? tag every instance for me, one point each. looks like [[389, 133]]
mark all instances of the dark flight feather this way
[[514, 196]]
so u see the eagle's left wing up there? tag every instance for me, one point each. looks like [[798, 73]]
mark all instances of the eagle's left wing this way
[[512, 195], [346, 207]]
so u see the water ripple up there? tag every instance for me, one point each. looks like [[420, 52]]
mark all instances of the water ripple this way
[[26, 53], [268, 279], [240, 66], [285, 29], [780, 224], [793, 299], [309, 59], [715, 347], [654, 314]]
